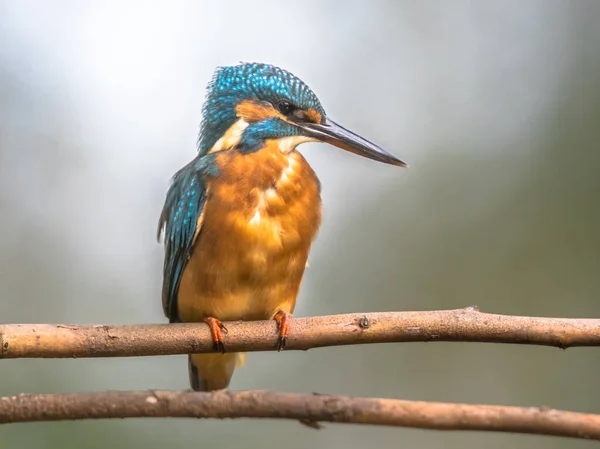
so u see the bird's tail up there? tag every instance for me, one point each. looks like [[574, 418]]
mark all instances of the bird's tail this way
[[213, 371]]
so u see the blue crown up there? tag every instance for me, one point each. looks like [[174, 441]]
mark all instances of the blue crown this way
[[230, 85]]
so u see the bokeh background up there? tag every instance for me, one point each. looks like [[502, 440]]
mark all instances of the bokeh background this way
[[496, 106]]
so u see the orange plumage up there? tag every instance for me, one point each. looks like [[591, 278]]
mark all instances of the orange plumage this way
[[261, 216]]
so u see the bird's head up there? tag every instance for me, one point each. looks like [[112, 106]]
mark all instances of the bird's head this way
[[248, 104]]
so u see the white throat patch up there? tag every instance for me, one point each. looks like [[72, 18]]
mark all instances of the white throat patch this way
[[288, 144], [231, 137]]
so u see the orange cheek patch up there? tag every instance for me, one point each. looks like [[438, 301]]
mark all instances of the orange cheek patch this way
[[253, 112], [313, 115]]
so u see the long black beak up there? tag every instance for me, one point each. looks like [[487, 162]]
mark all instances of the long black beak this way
[[337, 135]]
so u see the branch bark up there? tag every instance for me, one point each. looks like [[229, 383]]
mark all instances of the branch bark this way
[[306, 408], [469, 325]]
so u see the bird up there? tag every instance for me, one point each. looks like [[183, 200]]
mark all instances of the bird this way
[[239, 219]]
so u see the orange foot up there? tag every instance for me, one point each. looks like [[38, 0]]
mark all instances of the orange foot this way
[[216, 331], [283, 327]]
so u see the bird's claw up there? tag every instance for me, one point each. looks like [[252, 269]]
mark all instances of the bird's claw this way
[[217, 329], [219, 347], [283, 328], [281, 343]]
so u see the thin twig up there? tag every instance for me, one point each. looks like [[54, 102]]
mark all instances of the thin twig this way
[[306, 408], [52, 341]]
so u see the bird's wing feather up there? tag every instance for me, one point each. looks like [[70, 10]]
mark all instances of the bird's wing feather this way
[[181, 219]]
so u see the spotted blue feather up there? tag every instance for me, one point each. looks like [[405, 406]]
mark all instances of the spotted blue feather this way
[[183, 206], [232, 84]]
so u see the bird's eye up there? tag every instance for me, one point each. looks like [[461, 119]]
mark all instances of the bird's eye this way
[[285, 107]]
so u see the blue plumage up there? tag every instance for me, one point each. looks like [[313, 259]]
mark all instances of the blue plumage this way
[[272, 128], [183, 205], [232, 84]]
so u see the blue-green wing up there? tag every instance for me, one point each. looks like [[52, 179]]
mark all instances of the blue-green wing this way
[[179, 218]]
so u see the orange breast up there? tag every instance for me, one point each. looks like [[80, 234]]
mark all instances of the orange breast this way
[[261, 215]]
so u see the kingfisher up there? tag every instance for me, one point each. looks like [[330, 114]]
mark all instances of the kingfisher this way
[[239, 219]]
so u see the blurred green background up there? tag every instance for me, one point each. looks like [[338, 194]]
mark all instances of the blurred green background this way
[[496, 106]]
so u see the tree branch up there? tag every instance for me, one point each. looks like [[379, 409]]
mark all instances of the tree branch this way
[[44, 340], [51, 341], [307, 408]]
